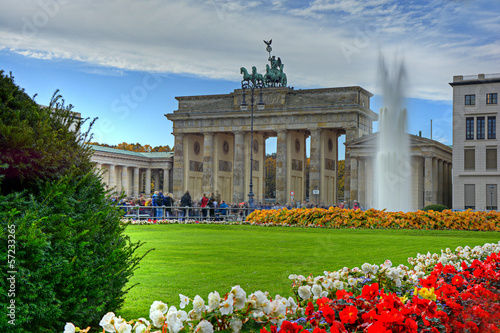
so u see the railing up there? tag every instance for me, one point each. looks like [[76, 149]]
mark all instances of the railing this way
[[184, 213]]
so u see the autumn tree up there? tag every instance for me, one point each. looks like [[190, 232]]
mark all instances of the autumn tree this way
[[137, 147], [270, 176], [341, 181]]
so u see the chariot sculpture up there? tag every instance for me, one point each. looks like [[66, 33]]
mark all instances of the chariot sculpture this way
[[274, 76]]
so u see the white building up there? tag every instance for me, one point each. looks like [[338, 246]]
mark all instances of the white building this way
[[475, 141]]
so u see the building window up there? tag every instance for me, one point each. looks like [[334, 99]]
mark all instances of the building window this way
[[491, 159], [470, 196], [469, 159], [469, 128], [491, 98], [492, 127], [470, 99], [480, 128], [491, 197]]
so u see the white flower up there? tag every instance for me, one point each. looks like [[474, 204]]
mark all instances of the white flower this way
[[198, 304], [293, 306], [109, 322], [69, 328], [157, 318], [194, 316], [157, 305], [375, 269], [124, 328], [240, 297], [182, 315], [141, 325], [316, 290], [337, 284], [204, 327], [184, 301], [226, 307], [366, 268], [236, 325], [305, 292], [352, 281], [214, 300]]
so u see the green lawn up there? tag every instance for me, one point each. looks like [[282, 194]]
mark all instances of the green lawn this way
[[198, 259]]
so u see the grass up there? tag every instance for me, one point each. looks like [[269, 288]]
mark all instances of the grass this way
[[198, 259]]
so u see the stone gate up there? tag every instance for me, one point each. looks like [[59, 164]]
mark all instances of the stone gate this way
[[212, 141]]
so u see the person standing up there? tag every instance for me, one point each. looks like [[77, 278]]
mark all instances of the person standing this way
[[186, 202], [168, 203], [217, 197], [203, 205]]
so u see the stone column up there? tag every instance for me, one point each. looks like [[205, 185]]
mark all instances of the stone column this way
[[148, 182], [112, 176], [178, 173], [351, 134], [440, 183], [208, 163], [315, 165], [435, 180], [354, 182], [369, 184], [428, 175], [281, 167], [166, 180], [118, 180], [157, 179], [362, 182], [125, 181], [239, 168], [450, 184], [445, 185], [135, 191]]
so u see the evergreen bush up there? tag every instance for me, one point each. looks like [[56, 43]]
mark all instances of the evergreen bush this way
[[436, 208], [71, 258]]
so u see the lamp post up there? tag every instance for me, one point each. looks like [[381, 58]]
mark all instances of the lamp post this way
[[244, 107], [491, 196]]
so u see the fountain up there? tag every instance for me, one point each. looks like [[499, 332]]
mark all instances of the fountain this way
[[392, 180]]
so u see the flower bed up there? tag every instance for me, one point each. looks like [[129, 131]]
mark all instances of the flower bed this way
[[448, 292], [375, 219]]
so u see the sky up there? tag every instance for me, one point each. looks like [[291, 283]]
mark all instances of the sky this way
[[125, 61]]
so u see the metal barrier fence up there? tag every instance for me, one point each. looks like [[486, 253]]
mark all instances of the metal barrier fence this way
[[182, 213]]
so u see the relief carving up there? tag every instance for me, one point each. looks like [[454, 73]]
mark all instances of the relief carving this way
[[195, 166]]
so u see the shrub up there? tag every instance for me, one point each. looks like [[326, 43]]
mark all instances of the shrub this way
[[60, 238], [38, 143], [436, 208]]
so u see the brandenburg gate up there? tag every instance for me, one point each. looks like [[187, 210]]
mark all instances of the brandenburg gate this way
[[213, 138]]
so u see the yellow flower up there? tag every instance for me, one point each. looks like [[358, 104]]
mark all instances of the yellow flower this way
[[426, 293]]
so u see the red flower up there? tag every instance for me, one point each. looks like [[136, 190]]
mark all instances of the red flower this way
[[288, 327], [377, 327], [370, 292], [349, 315], [411, 325], [309, 309], [323, 301], [318, 330], [458, 280], [370, 316], [337, 327], [343, 294], [328, 314]]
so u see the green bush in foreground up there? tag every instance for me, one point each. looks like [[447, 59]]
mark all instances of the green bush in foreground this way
[[64, 253], [72, 258], [436, 208]]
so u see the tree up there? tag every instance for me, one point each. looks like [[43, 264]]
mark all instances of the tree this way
[[38, 143], [270, 176], [137, 147], [341, 181], [72, 257]]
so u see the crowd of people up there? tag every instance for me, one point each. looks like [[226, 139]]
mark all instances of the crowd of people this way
[[208, 207]]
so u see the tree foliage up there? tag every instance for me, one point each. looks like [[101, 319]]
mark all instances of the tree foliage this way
[[60, 235], [137, 147], [37, 143], [341, 180], [270, 180]]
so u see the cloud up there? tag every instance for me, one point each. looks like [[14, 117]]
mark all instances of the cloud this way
[[322, 43]]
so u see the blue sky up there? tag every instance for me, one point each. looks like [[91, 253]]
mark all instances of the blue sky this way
[[124, 61]]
